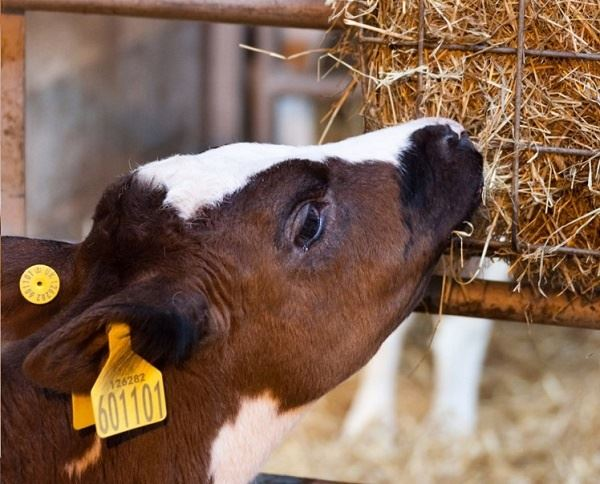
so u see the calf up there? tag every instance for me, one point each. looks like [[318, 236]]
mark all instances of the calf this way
[[257, 277]]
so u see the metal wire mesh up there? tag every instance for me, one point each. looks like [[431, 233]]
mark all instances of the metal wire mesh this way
[[517, 146]]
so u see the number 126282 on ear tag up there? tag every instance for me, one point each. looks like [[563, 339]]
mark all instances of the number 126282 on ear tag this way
[[129, 391]]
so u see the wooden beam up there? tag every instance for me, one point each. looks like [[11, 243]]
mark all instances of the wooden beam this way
[[496, 300], [282, 13], [12, 146]]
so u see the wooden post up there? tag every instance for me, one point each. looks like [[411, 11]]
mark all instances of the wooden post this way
[[12, 146]]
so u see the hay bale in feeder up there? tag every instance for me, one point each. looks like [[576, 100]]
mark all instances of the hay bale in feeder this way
[[468, 69]]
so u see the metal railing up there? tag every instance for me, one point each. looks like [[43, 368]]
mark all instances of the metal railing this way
[[480, 298], [289, 13]]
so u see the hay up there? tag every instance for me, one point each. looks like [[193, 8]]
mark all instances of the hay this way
[[559, 195], [539, 419]]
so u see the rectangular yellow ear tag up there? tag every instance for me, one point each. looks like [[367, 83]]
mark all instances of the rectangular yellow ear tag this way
[[83, 414], [129, 391]]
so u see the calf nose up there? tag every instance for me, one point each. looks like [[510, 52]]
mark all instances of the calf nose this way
[[453, 139], [465, 141]]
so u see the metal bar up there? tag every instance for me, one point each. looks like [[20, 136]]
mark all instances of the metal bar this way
[[12, 82], [557, 150], [558, 54], [517, 126], [420, 59], [290, 13], [496, 300], [482, 48], [495, 246], [553, 249], [560, 151]]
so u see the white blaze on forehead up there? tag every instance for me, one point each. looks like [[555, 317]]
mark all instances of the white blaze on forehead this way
[[194, 181], [242, 446]]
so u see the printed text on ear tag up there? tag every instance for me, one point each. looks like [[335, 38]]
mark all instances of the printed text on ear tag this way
[[129, 391], [83, 413], [39, 284]]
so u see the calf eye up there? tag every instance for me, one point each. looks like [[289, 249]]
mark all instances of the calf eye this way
[[309, 225]]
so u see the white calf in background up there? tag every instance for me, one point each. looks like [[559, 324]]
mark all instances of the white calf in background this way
[[459, 348]]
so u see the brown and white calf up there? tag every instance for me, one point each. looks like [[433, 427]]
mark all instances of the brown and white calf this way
[[257, 277]]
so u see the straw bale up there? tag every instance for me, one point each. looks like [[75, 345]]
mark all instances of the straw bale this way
[[472, 22], [559, 195]]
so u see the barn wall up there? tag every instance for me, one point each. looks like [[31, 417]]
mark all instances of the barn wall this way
[[104, 94]]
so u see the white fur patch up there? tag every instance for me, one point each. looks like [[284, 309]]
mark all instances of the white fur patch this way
[[242, 446], [76, 467], [194, 181]]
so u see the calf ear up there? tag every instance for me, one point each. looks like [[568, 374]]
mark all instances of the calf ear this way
[[21, 318], [166, 322]]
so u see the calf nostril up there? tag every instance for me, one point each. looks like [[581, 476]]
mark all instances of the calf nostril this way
[[451, 138]]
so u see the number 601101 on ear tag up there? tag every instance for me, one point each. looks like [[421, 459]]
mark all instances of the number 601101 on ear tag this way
[[129, 391]]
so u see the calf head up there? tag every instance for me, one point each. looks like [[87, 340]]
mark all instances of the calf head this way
[[281, 269]]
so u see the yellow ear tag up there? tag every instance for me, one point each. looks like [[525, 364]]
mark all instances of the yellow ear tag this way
[[129, 391], [39, 284], [83, 413]]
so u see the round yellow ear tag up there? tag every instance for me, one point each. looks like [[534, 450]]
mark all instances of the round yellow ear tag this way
[[39, 284]]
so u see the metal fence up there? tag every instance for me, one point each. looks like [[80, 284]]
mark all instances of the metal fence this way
[[480, 298]]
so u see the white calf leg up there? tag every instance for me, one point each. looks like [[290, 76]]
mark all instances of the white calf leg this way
[[375, 399], [459, 349], [294, 120]]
